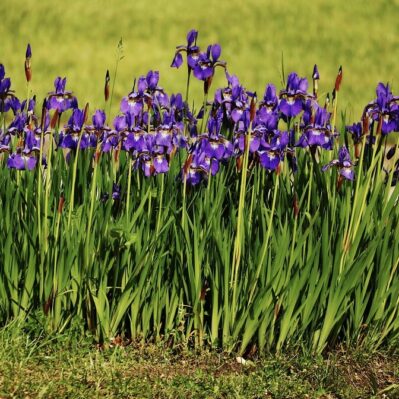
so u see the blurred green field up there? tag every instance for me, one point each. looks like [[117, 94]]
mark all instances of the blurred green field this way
[[78, 39]]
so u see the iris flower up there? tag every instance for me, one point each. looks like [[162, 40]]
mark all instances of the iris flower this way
[[272, 153], [191, 49], [60, 99], [70, 137], [344, 164], [384, 110], [318, 132], [206, 63], [293, 97]]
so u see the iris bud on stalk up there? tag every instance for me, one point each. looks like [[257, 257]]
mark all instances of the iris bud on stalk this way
[[86, 113], [315, 77], [327, 101], [252, 109], [28, 65], [106, 87], [338, 80]]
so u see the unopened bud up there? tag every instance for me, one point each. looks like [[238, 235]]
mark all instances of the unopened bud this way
[[86, 112], [365, 124], [252, 109], [338, 80], [106, 87], [28, 64], [327, 102], [54, 119]]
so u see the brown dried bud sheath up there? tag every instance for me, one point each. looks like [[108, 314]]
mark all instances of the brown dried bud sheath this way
[[338, 80], [252, 109], [86, 112], [106, 87], [61, 202], [366, 124], [54, 119], [339, 182], [28, 70]]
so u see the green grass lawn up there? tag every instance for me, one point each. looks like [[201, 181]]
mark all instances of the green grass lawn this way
[[69, 365], [78, 39]]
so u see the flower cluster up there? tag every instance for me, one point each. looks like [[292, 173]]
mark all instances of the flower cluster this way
[[152, 125]]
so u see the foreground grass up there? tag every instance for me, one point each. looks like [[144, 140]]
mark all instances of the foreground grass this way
[[70, 366]]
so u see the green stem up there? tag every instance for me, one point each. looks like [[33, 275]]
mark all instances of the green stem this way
[[239, 234], [160, 204], [266, 242], [92, 198], [47, 191], [75, 168], [129, 183]]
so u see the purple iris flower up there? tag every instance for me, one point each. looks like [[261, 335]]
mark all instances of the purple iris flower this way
[[384, 110], [318, 133], [116, 191], [32, 142], [148, 92], [18, 124], [266, 120], [60, 99], [5, 140], [234, 100], [73, 130], [191, 49], [31, 105], [13, 104], [254, 142], [110, 141], [270, 100], [134, 102], [197, 167], [291, 99], [26, 158], [212, 143], [272, 153], [356, 132], [5, 84], [161, 164], [207, 62], [98, 128], [21, 161], [6, 94], [344, 164]]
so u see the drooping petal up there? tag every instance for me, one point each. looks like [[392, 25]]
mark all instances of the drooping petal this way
[[348, 173], [177, 60]]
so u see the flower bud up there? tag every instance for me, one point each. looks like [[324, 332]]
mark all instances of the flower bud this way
[[106, 87], [338, 80], [28, 65]]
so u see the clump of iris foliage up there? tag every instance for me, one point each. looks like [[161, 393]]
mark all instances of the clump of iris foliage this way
[[249, 222]]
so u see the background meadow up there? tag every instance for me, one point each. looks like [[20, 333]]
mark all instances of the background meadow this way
[[78, 39]]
